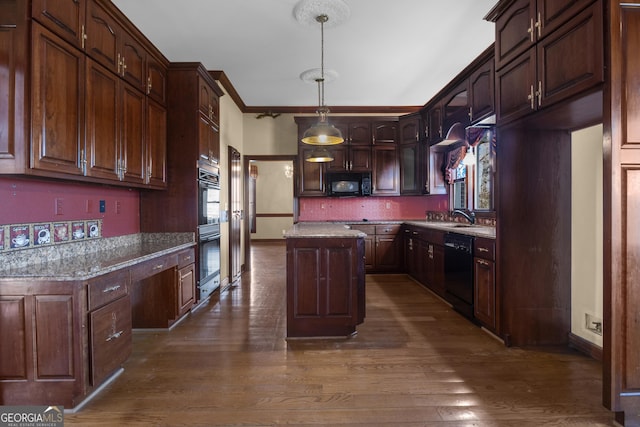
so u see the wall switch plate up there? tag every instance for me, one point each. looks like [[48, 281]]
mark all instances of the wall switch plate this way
[[593, 323], [58, 206]]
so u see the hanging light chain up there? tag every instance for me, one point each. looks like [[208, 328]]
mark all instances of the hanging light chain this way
[[321, 19]]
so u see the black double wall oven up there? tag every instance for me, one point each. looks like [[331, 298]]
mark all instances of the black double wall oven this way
[[208, 231]]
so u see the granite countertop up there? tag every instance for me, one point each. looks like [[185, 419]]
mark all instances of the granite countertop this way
[[457, 227], [321, 230], [85, 260]]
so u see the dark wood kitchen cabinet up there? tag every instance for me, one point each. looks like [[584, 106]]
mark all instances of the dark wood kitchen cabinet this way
[[209, 107], [565, 62], [325, 286], [413, 170], [68, 42], [383, 247], [482, 89], [65, 18], [522, 23], [485, 296], [371, 144], [186, 282], [424, 256]]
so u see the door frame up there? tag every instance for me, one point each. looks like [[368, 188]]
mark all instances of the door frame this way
[[247, 158]]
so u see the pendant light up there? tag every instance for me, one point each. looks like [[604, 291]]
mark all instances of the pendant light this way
[[322, 133], [319, 155], [469, 158]]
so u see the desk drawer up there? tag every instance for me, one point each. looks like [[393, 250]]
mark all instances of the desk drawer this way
[[107, 288], [186, 257], [153, 266], [370, 230]]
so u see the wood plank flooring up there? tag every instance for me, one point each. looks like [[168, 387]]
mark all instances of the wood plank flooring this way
[[414, 362]]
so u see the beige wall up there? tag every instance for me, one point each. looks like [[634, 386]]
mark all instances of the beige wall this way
[[231, 134], [586, 231], [274, 195], [270, 137]]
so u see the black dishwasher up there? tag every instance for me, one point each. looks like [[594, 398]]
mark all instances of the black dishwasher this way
[[458, 272]]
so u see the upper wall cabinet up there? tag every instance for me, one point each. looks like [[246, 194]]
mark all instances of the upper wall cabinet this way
[[95, 84], [522, 23], [563, 59]]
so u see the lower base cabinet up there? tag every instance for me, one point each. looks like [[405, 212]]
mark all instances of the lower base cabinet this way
[[68, 337], [383, 247], [325, 286], [485, 296], [111, 340], [424, 257]]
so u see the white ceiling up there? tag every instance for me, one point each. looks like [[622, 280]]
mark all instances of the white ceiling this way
[[388, 53]]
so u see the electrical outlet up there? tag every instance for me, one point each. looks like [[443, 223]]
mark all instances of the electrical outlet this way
[[118, 206], [593, 323], [103, 206], [388, 205]]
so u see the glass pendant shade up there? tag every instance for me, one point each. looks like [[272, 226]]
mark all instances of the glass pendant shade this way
[[469, 158], [319, 155], [322, 133]]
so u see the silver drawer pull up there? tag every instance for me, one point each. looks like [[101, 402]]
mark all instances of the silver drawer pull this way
[[114, 336], [483, 262], [483, 250], [111, 289], [158, 267]]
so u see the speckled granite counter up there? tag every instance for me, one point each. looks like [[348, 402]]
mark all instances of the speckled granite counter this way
[[88, 259], [321, 230], [456, 227]]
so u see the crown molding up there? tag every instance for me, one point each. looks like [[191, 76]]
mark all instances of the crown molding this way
[[223, 79]]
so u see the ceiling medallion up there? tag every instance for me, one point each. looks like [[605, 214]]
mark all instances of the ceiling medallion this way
[[307, 11], [312, 75]]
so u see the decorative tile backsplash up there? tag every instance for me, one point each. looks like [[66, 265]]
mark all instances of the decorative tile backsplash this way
[[31, 235]]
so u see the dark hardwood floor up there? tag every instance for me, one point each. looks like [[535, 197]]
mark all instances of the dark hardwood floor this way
[[414, 362]]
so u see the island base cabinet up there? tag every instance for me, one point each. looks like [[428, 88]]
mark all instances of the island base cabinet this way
[[325, 286]]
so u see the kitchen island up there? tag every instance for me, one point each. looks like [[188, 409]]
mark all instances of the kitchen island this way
[[325, 280]]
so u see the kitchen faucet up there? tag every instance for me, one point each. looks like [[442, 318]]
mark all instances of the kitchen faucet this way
[[470, 217]]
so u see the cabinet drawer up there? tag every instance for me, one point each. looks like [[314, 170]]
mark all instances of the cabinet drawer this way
[[369, 229], [153, 266], [485, 248], [107, 288], [186, 257], [110, 339], [387, 229]]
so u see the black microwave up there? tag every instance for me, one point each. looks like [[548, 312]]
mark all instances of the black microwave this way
[[349, 184]]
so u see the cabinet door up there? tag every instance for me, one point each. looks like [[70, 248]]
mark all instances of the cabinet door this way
[[110, 338], [66, 18], [516, 87], [434, 124], [340, 162], [134, 60], [133, 135], [156, 80], [359, 133], [360, 158], [514, 31], [554, 13], [409, 169], [369, 252], [481, 93], [387, 253], [437, 277], [156, 144], [570, 60], [311, 175], [206, 94], [386, 174], [437, 183], [186, 291], [385, 133], [103, 37], [485, 293], [455, 107], [14, 37], [103, 122], [57, 108]]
